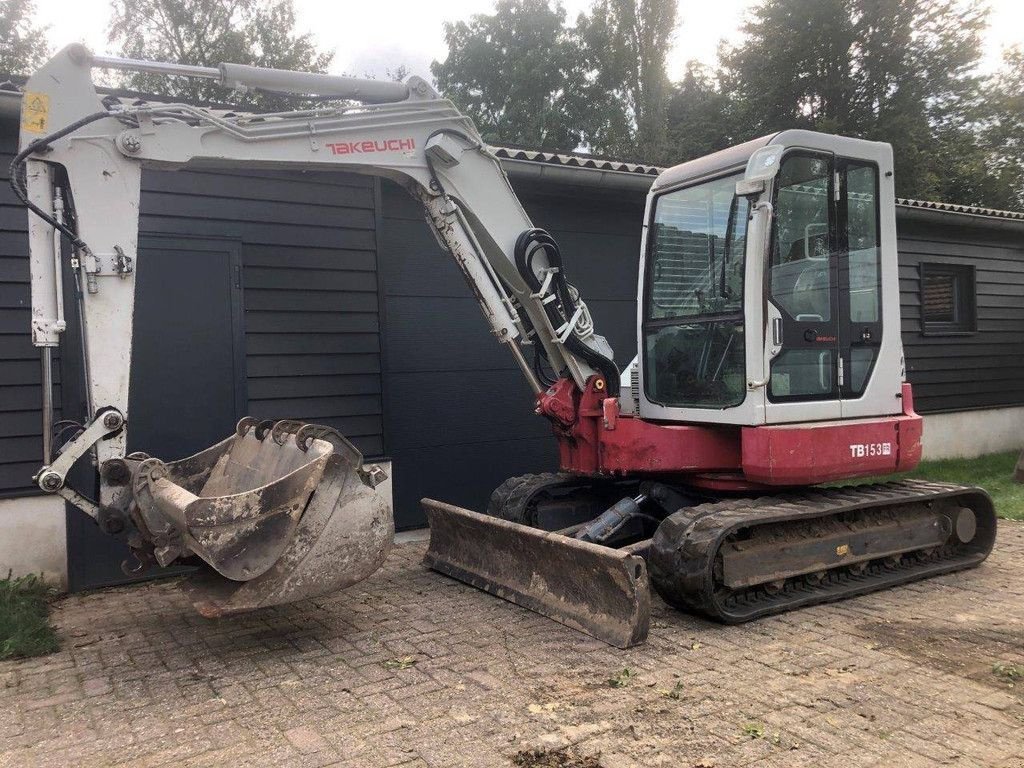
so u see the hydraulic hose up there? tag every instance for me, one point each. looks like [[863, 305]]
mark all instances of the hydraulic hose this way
[[527, 244], [22, 192]]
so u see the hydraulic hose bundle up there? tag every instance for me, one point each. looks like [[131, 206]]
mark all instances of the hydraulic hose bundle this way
[[559, 312]]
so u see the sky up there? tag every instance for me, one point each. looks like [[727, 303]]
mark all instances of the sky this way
[[371, 37]]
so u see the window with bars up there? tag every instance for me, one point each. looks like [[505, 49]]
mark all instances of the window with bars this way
[[948, 302]]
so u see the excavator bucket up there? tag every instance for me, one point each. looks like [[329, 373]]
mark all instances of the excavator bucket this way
[[279, 511], [595, 589]]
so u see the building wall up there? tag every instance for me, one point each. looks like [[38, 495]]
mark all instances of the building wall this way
[[968, 434], [20, 393], [308, 250], [33, 538], [981, 369], [458, 415]]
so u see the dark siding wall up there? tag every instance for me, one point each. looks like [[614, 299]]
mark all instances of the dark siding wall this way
[[459, 415], [308, 246], [310, 282], [20, 395], [977, 370]]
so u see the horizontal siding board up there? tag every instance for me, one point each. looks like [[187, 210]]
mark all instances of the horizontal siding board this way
[[306, 322], [267, 234], [283, 278], [312, 386], [17, 347], [295, 188], [16, 477], [202, 208], [311, 301], [26, 397], [311, 365], [19, 423], [310, 343], [15, 244], [316, 408], [294, 258], [23, 372]]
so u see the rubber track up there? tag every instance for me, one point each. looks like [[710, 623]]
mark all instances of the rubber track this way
[[511, 500], [682, 555]]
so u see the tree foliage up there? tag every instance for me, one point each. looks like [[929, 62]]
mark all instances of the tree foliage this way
[[518, 74], [625, 43], [208, 32], [1003, 136], [23, 46], [902, 71]]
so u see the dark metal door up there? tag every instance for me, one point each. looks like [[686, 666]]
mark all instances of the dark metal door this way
[[187, 374]]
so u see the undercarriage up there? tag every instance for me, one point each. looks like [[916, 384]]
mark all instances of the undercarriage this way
[[731, 558]]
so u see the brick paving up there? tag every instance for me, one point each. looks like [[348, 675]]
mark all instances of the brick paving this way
[[410, 668]]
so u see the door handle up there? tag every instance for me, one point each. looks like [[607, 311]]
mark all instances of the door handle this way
[[777, 331]]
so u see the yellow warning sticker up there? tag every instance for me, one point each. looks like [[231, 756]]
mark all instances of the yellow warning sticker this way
[[35, 112]]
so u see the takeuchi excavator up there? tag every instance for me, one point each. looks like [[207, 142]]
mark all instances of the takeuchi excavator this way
[[769, 368]]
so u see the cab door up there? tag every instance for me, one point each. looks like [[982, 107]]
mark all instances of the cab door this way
[[823, 287], [860, 283], [802, 286]]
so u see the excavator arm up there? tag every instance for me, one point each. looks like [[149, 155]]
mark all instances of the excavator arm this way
[[241, 505]]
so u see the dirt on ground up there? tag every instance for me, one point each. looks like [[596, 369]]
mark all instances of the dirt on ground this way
[[554, 758]]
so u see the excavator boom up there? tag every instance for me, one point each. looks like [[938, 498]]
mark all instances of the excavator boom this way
[[278, 511]]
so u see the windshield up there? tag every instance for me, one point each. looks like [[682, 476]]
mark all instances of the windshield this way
[[698, 241], [693, 327]]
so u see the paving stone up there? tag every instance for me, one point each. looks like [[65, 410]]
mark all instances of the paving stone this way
[[900, 679]]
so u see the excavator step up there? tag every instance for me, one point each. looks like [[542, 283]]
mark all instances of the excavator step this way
[[595, 589]]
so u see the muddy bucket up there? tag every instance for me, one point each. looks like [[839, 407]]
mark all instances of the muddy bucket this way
[[279, 511]]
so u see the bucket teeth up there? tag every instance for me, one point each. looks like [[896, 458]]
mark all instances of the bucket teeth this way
[[594, 589]]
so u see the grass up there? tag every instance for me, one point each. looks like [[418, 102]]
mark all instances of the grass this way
[[993, 472], [25, 618]]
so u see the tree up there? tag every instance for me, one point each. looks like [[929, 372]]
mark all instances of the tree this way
[[23, 46], [208, 32], [1004, 135], [518, 74], [626, 42], [698, 116], [901, 71]]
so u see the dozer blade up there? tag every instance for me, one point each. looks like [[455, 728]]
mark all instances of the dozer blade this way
[[280, 512], [594, 589]]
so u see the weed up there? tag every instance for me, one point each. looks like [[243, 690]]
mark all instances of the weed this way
[[621, 680], [403, 663], [1008, 672], [24, 618]]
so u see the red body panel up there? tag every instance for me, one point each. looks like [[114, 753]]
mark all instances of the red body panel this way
[[594, 438], [804, 454]]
